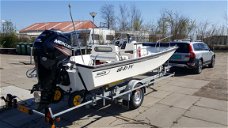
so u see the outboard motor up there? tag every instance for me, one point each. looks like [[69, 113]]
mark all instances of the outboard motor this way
[[51, 50]]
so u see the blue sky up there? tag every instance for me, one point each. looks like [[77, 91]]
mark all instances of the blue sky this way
[[25, 13]]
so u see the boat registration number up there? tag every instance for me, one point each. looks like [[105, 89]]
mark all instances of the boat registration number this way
[[123, 68]]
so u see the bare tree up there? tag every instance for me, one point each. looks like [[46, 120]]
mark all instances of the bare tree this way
[[202, 30], [123, 18], [150, 27], [162, 26], [7, 27], [108, 15], [191, 26], [136, 18], [177, 25]]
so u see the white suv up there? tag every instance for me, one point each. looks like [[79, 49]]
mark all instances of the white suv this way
[[193, 55]]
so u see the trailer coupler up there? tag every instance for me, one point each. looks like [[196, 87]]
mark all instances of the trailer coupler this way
[[10, 101]]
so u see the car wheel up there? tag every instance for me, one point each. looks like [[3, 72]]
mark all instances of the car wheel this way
[[212, 64], [199, 68]]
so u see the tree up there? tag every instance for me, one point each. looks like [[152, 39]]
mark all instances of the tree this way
[[8, 37], [177, 25], [122, 19], [162, 26], [7, 27], [108, 15], [136, 19], [8, 40], [202, 30], [150, 27]]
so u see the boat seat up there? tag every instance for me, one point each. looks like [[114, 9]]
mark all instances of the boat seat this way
[[105, 53], [85, 59]]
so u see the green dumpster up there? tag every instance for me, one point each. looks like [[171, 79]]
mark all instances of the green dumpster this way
[[18, 49], [23, 49], [28, 46]]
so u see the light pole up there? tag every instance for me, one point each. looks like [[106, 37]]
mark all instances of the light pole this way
[[93, 14]]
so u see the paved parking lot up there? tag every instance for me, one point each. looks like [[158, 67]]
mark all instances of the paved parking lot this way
[[186, 100]]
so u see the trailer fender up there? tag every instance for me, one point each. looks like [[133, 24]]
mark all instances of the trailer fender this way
[[131, 85]]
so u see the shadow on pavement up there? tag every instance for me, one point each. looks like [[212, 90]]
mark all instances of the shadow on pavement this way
[[182, 72]]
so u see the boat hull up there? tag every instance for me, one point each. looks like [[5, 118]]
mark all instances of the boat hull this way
[[97, 76]]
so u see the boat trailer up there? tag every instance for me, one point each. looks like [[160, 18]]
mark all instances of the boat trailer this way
[[140, 82]]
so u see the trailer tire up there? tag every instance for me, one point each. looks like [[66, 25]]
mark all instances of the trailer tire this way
[[75, 98], [137, 97], [58, 95]]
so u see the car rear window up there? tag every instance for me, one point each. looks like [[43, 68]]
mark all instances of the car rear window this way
[[182, 47]]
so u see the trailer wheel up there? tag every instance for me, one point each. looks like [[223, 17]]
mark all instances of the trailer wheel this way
[[75, 99], [136, 98], [58, 95]]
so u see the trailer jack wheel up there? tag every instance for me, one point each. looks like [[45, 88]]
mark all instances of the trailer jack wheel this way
[[75, 99], [136, 98], [58, 95]]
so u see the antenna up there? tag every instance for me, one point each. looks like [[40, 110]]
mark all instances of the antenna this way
[[75, 34]]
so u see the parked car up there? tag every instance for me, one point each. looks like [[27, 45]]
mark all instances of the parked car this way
[[192, 55]]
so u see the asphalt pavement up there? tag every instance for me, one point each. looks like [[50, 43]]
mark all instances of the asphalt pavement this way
[[185, 100]]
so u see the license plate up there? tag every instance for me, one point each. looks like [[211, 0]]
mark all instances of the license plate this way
[[176, 57], [23, 109]]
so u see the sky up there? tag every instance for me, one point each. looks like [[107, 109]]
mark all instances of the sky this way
[[25, 13]]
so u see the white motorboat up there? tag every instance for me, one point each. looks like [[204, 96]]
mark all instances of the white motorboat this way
[[108, 64], [84, 78]]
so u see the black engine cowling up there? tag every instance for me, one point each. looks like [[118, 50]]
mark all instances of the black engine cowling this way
[[51, 49]]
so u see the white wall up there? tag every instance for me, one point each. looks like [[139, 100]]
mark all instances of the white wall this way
[[102, 32]]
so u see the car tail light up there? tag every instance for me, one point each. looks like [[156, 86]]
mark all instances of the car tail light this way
[[191, 53]]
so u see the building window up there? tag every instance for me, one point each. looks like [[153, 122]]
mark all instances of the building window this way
[[95, 36], [109, 37]]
